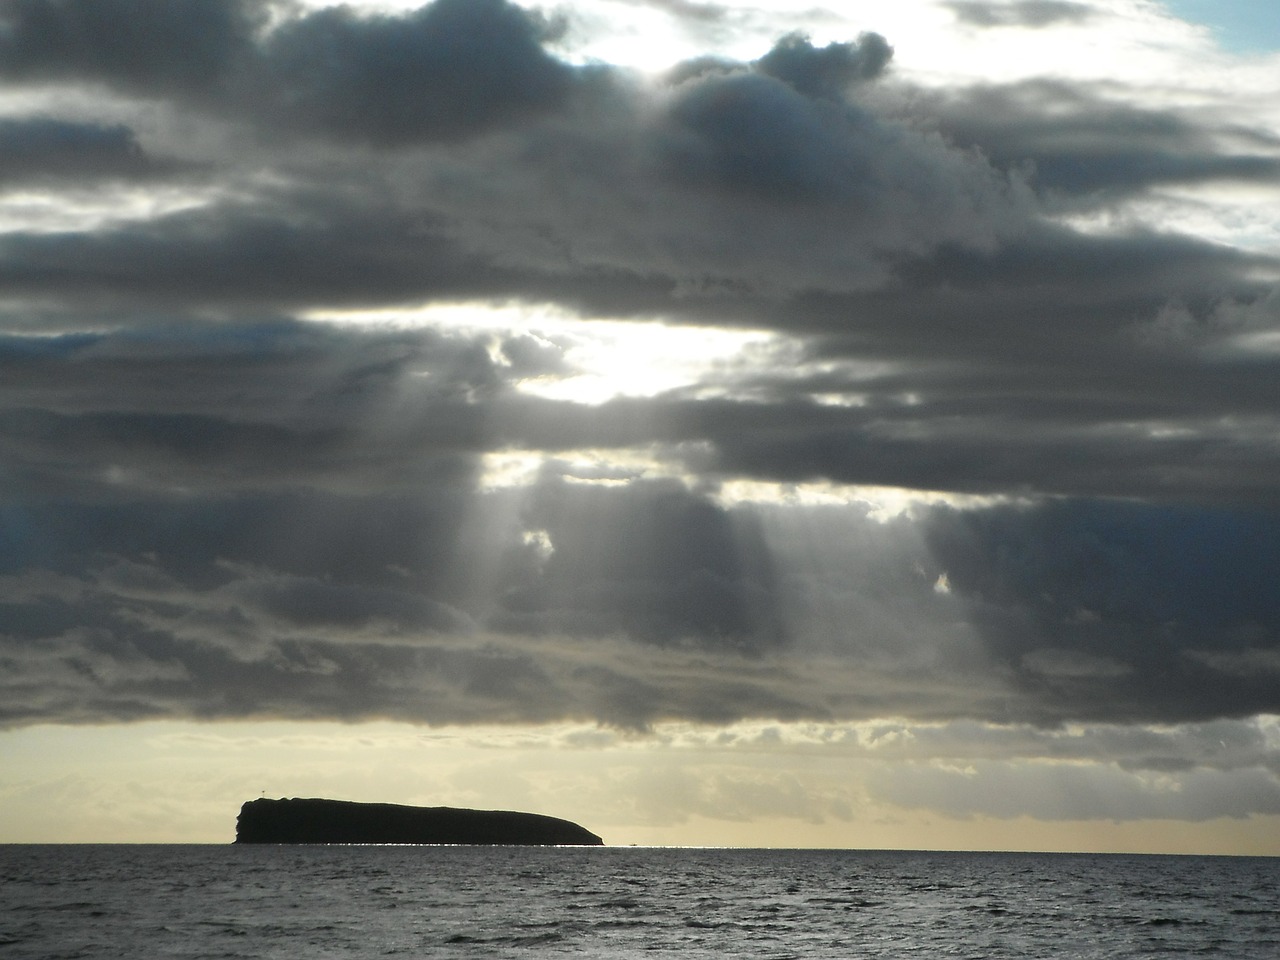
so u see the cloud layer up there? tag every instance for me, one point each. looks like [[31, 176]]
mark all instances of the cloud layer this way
[[214, 504]]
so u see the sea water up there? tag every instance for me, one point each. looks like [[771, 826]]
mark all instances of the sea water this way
[[400, 901]]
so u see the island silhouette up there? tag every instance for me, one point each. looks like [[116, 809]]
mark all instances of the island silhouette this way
[[345, 821]]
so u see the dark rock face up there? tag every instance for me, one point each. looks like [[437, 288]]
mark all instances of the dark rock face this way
[[341, 821]]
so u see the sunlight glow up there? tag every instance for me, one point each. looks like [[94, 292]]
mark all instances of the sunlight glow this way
[[1231, 214], [515, 469], [599, 360], [882, 503], [96, 208], [607, 467], [629, 359]]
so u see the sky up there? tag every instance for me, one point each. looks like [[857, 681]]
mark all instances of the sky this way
[[1237, 24], [842, 424]]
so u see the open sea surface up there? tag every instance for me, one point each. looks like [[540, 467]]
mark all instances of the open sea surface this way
[[124, 901]]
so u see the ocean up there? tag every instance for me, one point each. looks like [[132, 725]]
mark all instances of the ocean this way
[[313, 902]]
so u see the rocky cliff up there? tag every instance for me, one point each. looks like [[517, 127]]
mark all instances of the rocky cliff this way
[[341, 821]]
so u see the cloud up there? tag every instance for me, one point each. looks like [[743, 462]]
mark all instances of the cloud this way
[[37, 149], [252, 407], [214, 504], [225, 503], [1077, 793], [829, 71], [768, 141], [1121, 603], [450, 69], [140, 46], [628, 603], [653, 563], [1019, 13], [687, 9], [1085, 146]]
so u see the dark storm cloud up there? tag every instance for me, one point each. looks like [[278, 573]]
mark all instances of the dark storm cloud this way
[[1120, 611], [1013, 402], [1019, 13], [42, 148], [1074, 143], [784, 132], [292, 251], [631, 613], [302, 605], [239, 406], [450, 69], [151, 47], [827, 71], [299, 532], [751, 135], [211, 507], [654, 563], [244, 256], [381, 608], [539, 216]]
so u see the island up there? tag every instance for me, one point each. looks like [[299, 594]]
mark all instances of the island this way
[[344, 821]]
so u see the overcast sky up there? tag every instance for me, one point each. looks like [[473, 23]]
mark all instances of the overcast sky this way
[[748, 425]]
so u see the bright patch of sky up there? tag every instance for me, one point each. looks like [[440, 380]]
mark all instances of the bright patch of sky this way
[[1237, 215], [653, 36], [612, 467], [93, 208], [1239, 25], [619, 466], [1122, 39], [881, 504], [600, 359]]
